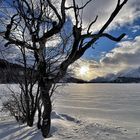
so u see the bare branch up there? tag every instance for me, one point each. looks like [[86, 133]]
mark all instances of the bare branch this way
[[54, 9], [79, 8], [113, 15], [92, 24], [63, 11], [113, 38], [97, 36], [75, 8], [56, 29], [118, 3], [100, 33]]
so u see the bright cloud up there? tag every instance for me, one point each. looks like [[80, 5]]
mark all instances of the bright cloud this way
[[127, 53], [125, 56]]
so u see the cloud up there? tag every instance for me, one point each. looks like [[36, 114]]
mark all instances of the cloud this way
[[135, 28], [127, 53], [125, 56], [129, 13], [91, 64], [103, 8]]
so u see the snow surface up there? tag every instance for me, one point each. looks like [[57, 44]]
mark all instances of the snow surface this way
[[86, 112]]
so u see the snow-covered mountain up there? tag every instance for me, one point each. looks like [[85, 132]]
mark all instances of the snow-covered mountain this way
[[131, 75]]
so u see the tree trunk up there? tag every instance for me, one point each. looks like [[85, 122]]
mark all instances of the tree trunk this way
[[45, 87], [39, 116], [29, 112], [30, 119], [47, 108]]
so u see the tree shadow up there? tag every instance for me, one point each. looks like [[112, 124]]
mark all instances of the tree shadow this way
[[9, 128], [12, 130]]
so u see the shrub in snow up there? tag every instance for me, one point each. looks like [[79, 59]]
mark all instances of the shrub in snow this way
[[14, 108]]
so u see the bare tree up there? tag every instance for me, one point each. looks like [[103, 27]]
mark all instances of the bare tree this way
[[24, 103], [36, 26]]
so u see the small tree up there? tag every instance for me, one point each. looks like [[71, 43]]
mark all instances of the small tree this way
[[24, 103], [38, 26]]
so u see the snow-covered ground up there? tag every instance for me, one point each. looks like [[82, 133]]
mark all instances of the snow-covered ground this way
[[86, 112]]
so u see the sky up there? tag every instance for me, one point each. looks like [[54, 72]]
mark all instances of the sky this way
[[107, 56]]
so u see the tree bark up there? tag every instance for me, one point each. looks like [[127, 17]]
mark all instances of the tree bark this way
[[30, 118], [47, 108], [39, 117], [30, 121]]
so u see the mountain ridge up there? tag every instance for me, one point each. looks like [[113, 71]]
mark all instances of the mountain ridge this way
[[125, 76]]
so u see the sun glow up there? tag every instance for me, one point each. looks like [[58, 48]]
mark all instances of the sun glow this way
[[84, 70]]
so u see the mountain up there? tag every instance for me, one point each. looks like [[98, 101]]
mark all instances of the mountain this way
[[71, 79], [105, 79], [13, 73], [125, 76], [126, 80], [74, 80], [10, 73], [133, 73]]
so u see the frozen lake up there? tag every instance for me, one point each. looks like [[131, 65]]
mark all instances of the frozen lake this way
[[115, 103]]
